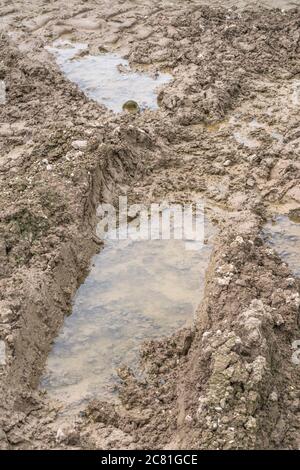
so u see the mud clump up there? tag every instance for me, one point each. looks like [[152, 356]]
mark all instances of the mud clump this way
[[294, 215], [229, 382]]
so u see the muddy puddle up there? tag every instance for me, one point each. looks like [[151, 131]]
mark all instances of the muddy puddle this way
[[136, 290], [283, 234], [107, 78]]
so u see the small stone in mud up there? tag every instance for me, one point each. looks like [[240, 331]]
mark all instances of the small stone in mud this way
[[250, 182], [60, 436], [2, 353], [79, 144], [2, 92], [274, 396], [131, 106]]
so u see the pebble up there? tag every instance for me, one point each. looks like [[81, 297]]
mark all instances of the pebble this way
[[60, 436], [79, 144], [2, 353], [274, 396], [223, 281], [2, 92]]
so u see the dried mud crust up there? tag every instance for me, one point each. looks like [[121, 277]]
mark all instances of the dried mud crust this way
[[229, 382]]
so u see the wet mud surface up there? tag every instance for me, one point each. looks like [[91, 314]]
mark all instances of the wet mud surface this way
[[227, 131]]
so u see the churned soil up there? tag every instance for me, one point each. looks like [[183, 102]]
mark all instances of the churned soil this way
[[227, 131]]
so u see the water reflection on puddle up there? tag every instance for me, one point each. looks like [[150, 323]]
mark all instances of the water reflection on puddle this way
[[107, 78], [283, 234], [136, 290]]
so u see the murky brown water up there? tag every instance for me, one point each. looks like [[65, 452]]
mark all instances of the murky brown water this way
[[136, 290], [283, 234], [107, 78]]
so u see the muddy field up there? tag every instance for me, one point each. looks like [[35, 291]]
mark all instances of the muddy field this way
[[226, 131]]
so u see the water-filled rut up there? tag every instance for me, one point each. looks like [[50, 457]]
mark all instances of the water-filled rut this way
[[107, 78], [136, 290]]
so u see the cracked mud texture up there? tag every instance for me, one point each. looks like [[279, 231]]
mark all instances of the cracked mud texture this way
[[228, 382]]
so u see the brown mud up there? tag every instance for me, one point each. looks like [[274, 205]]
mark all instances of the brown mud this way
[[229, 382]]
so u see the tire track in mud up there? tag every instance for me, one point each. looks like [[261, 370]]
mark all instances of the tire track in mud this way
[[235, 384]]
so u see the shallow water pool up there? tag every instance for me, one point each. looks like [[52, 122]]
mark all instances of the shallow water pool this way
[[107, 78], [283, 234], [136, 290]]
